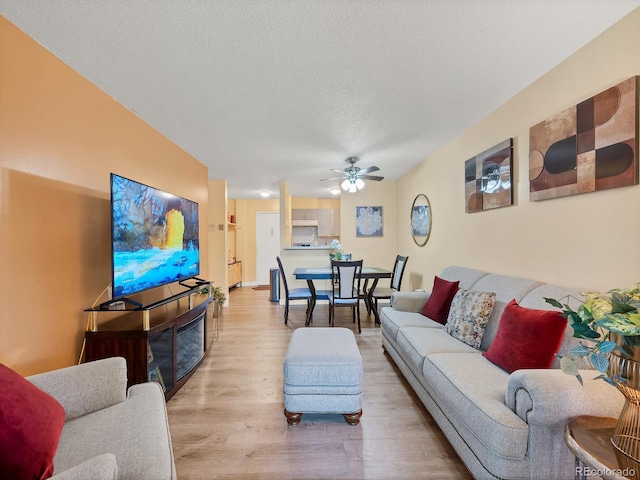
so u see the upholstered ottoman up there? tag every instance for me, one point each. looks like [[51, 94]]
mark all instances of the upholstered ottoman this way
[[323, 374]]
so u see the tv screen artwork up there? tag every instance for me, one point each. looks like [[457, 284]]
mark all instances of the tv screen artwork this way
[[154, 237]]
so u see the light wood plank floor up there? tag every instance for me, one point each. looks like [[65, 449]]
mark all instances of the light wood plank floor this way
[[227, 422]]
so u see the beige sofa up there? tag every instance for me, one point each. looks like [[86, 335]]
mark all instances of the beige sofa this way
[[110, 433], [506, 426]]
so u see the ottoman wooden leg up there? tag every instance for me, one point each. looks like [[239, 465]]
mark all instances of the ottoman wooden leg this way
[[352, 418], [293, 418]]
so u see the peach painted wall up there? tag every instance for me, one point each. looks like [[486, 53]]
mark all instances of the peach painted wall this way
[[218, 238], [589, 241], [375, 251], [60, 137]]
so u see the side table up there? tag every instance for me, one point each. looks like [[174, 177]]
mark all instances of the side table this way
[[589, 439]]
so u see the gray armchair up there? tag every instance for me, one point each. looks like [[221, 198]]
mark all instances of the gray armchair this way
[[110, 432]]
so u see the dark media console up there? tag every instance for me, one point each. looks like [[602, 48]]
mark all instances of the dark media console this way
[[166, 345]]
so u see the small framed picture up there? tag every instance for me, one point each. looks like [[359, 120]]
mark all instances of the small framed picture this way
[[369, 221]]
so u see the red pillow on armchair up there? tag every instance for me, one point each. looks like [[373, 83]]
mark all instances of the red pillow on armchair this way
[[31, 422], [526, 338], [442, 293]]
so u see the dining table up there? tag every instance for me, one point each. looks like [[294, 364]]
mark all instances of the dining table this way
[[324, 273]]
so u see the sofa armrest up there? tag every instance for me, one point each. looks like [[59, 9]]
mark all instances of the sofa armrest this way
[[546, 400], [102, 467], [409, 301], [549, 397], [86, 388]]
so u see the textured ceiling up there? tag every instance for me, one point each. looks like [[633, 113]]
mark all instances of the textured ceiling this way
[[262, 91]]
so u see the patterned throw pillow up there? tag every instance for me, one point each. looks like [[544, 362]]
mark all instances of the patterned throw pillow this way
[[468, 316]]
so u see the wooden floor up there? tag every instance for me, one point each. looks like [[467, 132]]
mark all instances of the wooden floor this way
[[228, 422]]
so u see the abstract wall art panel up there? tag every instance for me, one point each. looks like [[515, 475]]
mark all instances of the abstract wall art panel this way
[[589, 147], [488, 178]]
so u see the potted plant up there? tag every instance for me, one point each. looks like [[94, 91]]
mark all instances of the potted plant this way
[[219, 298], [610, 325]]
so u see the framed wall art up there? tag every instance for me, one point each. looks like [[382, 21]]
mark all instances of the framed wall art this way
[[488, 178], [368, 221], [588, 147], [421, 220]]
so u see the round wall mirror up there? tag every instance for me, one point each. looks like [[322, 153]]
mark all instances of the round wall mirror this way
[[421, 220]]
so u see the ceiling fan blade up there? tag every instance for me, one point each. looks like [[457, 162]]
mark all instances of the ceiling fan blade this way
[[372, 169], [371, 177], [334, 170], [334, 178]]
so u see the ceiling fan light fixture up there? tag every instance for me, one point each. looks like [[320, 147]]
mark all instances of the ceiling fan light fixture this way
[[353, 176]]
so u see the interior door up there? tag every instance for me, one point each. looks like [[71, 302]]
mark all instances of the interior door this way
[[267, 244]]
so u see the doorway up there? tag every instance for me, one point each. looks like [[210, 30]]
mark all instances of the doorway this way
[[267, 244]]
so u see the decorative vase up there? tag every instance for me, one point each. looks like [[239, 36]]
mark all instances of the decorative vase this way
[[626, 436]]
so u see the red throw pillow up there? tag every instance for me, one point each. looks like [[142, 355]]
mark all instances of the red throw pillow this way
[[442, 293], [31, 422], [526, 338]]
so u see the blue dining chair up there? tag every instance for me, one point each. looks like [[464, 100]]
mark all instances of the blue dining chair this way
[[292, 294], [345, 279]]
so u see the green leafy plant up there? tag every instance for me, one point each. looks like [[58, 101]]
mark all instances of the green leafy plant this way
[[218, 295], [595, 320]]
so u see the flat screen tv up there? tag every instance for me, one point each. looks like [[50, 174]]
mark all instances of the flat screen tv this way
[[154, 237]]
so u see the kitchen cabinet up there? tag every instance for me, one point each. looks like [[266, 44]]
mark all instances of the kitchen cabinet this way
[[234, 274], [328, 222], [304, 214]]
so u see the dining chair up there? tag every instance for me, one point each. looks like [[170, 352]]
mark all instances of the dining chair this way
[[345, 280], [382, 293], [302, 293]]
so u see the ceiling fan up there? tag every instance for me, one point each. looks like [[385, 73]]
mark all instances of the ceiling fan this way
[[354, 176]]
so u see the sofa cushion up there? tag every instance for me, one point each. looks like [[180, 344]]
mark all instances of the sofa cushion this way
[[30, 425], [526, 338], [468, 316], [475, 389], [392, 320], [467, 277], [135, 431], [102, 467], [439, 303], [415, 343]]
